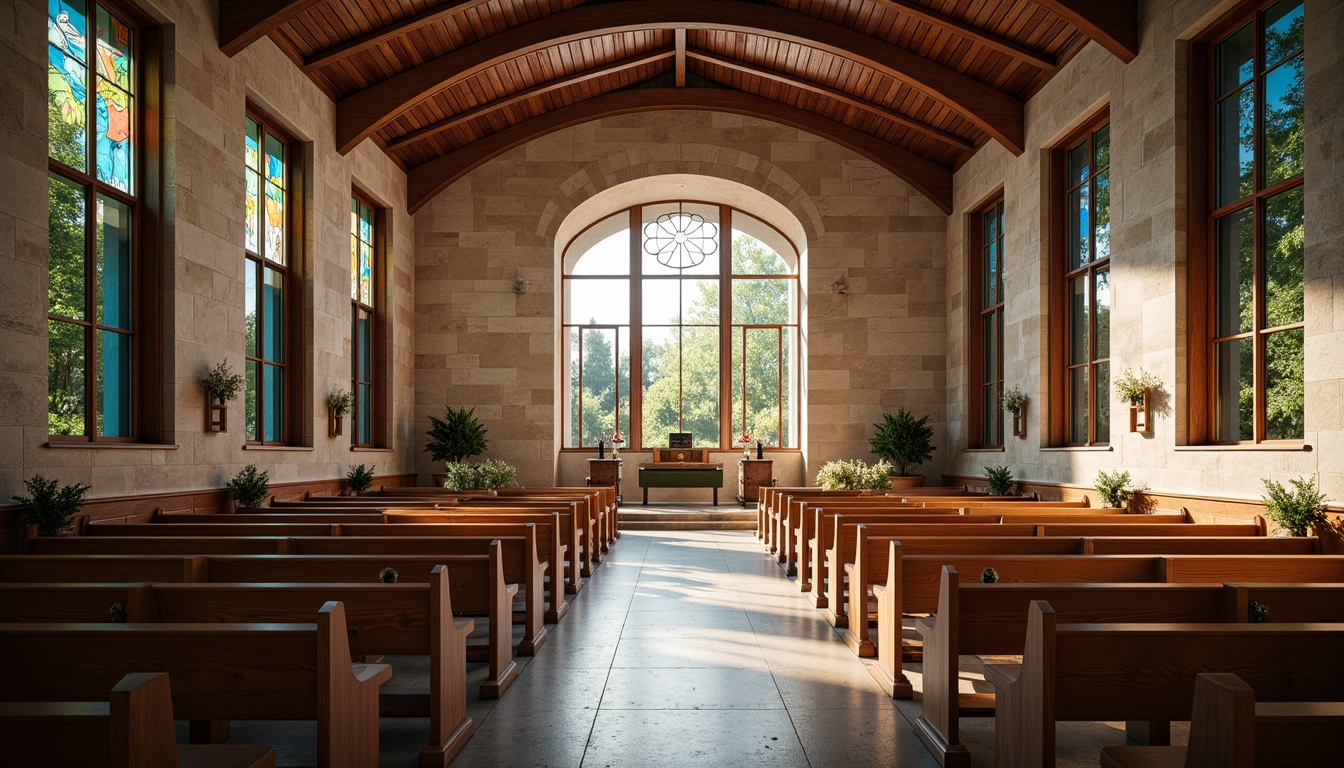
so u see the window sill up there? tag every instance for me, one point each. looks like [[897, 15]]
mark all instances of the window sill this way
[[367, 449], [115, 446], [1077, 449], [254, 447], [1305, 447], [1000, 449]]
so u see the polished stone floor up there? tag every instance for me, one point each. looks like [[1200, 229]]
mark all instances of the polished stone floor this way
[[686, 648]]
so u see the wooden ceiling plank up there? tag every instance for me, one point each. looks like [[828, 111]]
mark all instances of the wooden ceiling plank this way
[[681, 57], [524, 95], [379, 36], [831, 93], [999, 114], [425, 181], [1113, 24], [244, 22]]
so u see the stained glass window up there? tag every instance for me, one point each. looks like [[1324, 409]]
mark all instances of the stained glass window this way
[[363, 308], [266, 234], [93, 209]]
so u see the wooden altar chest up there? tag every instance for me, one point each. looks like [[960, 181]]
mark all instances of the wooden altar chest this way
[[681, 468]]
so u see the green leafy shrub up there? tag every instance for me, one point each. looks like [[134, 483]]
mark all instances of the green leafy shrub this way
[[1257, 613], [359, 479], [388, 575], [1131, 386], [989, 576], [1113, 487], [250, 487], [489, 474], [1012, 399], [221, 383], [853, 475], [48, 507], [999, 480], [903, 440], [340, 402], [117, 612], [1295, 510], [456, 437]]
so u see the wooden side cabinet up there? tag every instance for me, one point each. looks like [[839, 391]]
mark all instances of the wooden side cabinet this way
[[752, 475], [605, 472]]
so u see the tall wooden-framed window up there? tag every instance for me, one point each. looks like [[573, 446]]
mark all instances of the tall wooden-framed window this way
[[104, 382], [985, 325], [700, 301], [1080, 289], [271, 311], [367, 224], [1247, 307]]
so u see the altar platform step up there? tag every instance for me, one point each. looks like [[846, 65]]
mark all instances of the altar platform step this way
[[688, 517]]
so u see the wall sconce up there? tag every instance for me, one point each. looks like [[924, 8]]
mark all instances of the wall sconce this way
[[521, 285], [840, 286]]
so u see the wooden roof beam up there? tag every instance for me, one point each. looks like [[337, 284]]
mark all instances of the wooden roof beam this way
[[244, 22], [843, 97], [528, 93], [394, 30], [681, 58], [1114, 24], [362, 113], [425, 181], [973, 33]]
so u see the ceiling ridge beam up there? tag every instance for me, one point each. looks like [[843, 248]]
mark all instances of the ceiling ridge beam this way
[[1112, 24], [244, 22], [425, 181], [345, 50], [527, 93], [1018, 51], [680, 36], [849, 99], [999, 114]]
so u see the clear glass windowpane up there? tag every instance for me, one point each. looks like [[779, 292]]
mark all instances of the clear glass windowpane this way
[[1102, 230], [1101, 397], [273, 313], [1285, 386], [1234, 150], [1078, 405], [112, 264], [1234, 390], [762, 302], [274, 405], [1080, 249], [113, 370], [597, 302], [250, 400], [1079, 320], [1284, 259], [65, 252], [65, 378], [989, 341], [1102, 308], [1284, 127], [991, 421], [1234, 276], [1283, 30], [1235, 60]]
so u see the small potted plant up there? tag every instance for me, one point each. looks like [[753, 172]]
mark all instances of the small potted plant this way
[[989, 576], [854, 475], [359, 479], [250, 487], [1014, 402], [1113, 488], [388, 575], [49, 508], [905, 442], [494, 474], [999, 480], [458, 436], [1295, 511], [338, 405], [221, 385], [1135, 389], [1257, 613]]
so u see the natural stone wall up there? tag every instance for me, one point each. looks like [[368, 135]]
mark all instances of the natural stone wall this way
[[1147, 102], [204, 98], [479, 344]]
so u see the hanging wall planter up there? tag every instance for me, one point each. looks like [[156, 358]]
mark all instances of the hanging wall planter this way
[[338, 404], [221, 386], [1136, 389], [1014, 402], [1140, 419]]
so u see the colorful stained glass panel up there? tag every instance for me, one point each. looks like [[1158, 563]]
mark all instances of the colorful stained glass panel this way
[[275, 161], [114, 120], [252, 212], [67, 105], [366, 274], [67, 26], [252, 145], [275, 223], [114, 50]]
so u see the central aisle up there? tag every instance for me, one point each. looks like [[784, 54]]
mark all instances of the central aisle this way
[[690, 649]]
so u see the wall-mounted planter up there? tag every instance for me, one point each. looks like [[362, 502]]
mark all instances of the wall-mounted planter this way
[[1020, 421], [216, 414], [1140, 419], [335, 423]]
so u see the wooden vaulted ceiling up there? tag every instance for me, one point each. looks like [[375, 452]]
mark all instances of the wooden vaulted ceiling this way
[[915, 85]]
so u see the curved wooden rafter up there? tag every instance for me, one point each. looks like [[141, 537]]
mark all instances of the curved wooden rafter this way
[[338, 53], [1113, 24], [244, 22], [962, 29], [425, 181], [362, 113]]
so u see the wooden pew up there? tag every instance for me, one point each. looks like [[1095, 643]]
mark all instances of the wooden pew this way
[[132, 729], [991, 619], [160, 545], [219, 672], [413, 619], [799, 525], [1107, 672], [1230, 729], [101, 568], [239, 518]]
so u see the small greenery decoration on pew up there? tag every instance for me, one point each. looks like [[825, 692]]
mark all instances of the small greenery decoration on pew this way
[[999, 480], [359, 479], [854, 475], [989, 576], [1258, 613], [250, 487], [118, 612], [388, 575]]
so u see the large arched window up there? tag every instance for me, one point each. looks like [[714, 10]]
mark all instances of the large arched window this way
[[701, 301]]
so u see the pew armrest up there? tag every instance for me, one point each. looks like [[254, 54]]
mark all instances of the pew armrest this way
[[925, 628], [376, 674], [1003, 676]]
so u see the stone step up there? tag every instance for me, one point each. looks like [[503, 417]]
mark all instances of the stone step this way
[[712, 519], [687, 525]]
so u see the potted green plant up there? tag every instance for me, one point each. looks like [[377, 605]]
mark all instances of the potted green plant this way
[[1113, 488], [458, 436], [388, 575], [1013, 401], [1295, 511], [999, 480], [905, 442], [989, 576], [1135, 389], [853, 475], [486, 476], [250, 487], [49, 508], [221, 385], [359, 479], [338, 405]]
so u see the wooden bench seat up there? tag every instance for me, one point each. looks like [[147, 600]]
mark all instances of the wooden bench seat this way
[[219, 672], [1230, 729], [1146, 672], [133, 728]]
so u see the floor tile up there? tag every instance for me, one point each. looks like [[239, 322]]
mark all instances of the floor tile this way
[[689, 739]]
